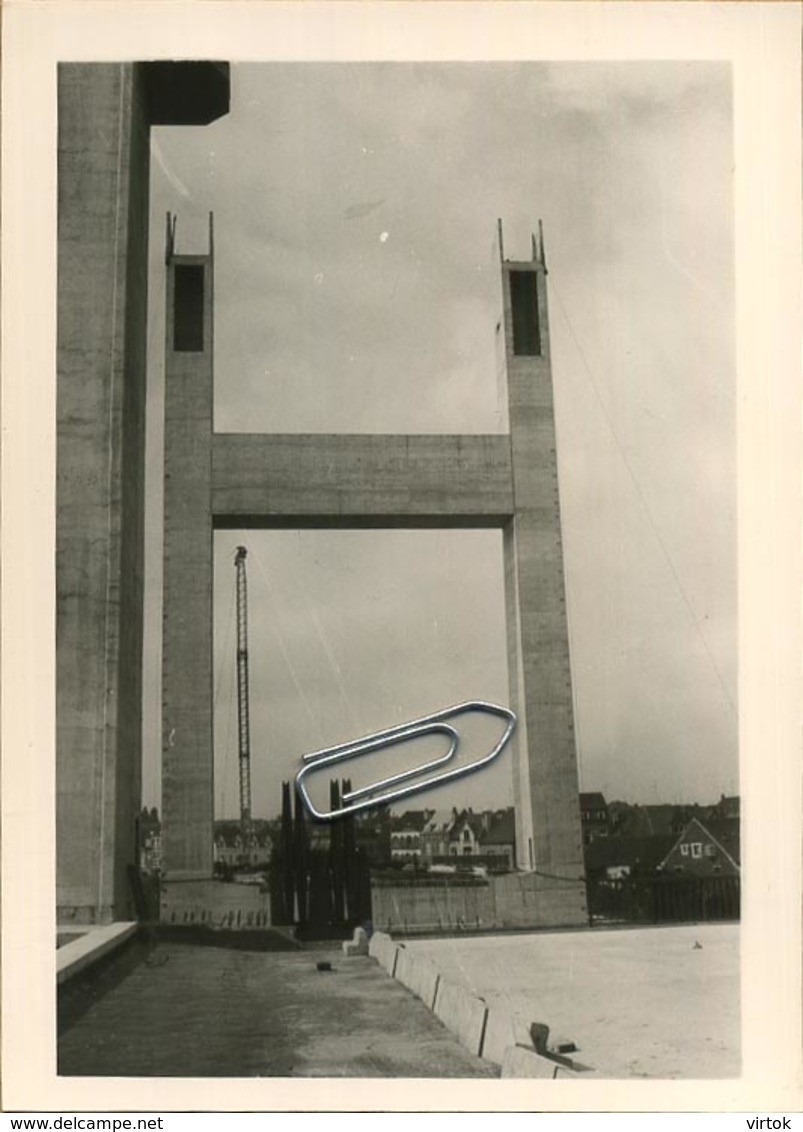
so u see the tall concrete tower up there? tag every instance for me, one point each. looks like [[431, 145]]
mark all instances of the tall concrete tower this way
[[187, 692], [548, 829], [105, 114]]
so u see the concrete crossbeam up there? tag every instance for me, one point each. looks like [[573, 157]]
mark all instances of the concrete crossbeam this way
[[345, 480]]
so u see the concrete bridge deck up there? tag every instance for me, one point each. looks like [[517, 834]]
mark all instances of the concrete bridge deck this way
[[638, 1002], [193, 1011]]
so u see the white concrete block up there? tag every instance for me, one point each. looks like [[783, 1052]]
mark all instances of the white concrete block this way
[[461, 1013], [503, 1029], [418, 975], [520, 1062]]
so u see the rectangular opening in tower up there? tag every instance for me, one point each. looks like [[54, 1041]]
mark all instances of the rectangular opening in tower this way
[[524, 306], [188, 308]]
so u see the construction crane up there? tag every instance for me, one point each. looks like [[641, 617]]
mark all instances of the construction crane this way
[[243, 722]]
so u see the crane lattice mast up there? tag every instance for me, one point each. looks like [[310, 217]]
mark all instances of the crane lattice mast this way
[[243, 724]]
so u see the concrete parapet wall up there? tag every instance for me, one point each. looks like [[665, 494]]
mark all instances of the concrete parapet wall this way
[[463, 1014], [383, 949], [418, 975], [433, 907], [531, 900], [215, 903], [90, 948], [516, 900]]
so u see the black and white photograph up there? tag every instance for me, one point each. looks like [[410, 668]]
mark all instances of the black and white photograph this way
[[402, 724]]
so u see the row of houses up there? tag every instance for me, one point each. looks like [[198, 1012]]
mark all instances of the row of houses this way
[[620, 839], [231, 849], [436, 836], [624, 819]]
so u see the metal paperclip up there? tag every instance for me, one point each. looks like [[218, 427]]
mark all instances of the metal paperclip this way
[[380, 739]]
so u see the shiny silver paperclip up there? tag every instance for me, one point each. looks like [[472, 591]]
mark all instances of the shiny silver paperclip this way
[[403, 731]]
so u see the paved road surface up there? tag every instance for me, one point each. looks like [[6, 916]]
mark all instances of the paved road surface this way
[[192, 1011]]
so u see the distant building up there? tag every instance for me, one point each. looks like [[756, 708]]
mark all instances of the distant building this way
[[489, 837], [499, 839], [615, 858], [728, 808], [453, 833], [710, 848], [593, 817], [372, 835], [232, 851], [405, 835], [465, 834], [435, 835], [149, 840], [150, 854], [662, 820]]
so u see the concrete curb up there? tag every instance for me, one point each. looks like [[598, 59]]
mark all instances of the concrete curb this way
[[503, 1030], [418, 975], [384, 950], [463, 1014], [92, 946], [520, 1062], [494, 1034]]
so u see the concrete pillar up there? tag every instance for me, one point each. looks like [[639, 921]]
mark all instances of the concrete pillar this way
[[102, 279], [545, 761], [105, 114], [187, 681]]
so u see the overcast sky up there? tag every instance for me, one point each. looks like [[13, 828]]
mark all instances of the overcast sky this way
[[358, 290]]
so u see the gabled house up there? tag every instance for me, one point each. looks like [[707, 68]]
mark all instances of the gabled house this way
[[464, 837], [453, 833], [708, 848], [436, 831]]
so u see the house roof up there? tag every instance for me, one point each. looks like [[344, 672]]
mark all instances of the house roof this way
[[728, 806], [475, 822], [644, 852], [412, 821], [228, 831], [654, 820], [440, 821], [725, 832], [502, 830], [593, 801]]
